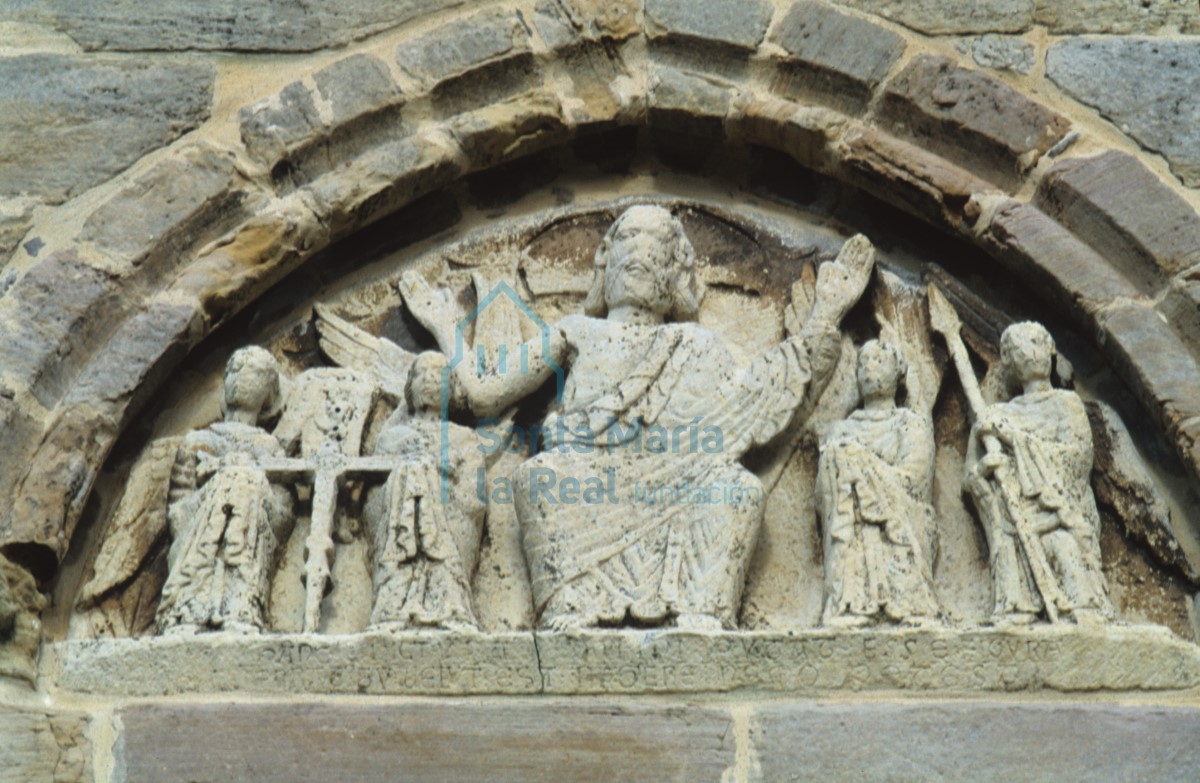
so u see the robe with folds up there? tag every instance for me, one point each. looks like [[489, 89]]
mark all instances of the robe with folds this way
[[1047, 464], [424, 549], [874, 487], [677, 524], [227, 521]]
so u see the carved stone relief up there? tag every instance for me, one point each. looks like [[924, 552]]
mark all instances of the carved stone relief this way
[[628, 434]]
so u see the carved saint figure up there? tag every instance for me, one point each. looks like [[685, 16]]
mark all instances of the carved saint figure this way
[[639, 509], [425, 546], [226, 519], [874, 492], [1028, 470]]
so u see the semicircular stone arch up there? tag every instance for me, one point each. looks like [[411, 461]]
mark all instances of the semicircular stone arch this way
[[139, 272]]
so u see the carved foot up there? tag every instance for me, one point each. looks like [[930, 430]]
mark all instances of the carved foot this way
[[846, 621], [699, 622], [567, 622], [1089, 617], [1014, 620]]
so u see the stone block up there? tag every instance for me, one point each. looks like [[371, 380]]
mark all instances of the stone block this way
[[943, 17], [908, 176], [978, 742], [1126, 213], [287, 134], [225, 25], [463, 46], [833, 57], [1042, 252], [971, 118], [1000, 52], [1181, 306], [799, 131], [510, 130], [382, 180], [58, 302], [146, 347], [44, 746], [68, 123], [1061, 657], [741, 24], [472, 63], [355, 86], [150, 222], [1158, 367], [563, 23], [54, 484], [688, 103], [449, 741], [1147, 91], [1117, 17], [275, 128]]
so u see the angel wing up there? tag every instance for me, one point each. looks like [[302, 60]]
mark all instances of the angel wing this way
[[903, 317], [138, 524], [380, 359]]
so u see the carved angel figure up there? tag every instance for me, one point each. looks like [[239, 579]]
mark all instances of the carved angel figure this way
[[1028, 472], [653, 406], [226, 519], [874, 492], [425, 545]]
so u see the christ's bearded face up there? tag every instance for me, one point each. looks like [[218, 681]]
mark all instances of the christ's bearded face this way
[[639, 267]]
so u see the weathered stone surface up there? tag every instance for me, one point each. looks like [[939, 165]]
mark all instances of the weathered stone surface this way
[[356, 86], [462, 46], [287, 134], [564, 22], [799, 131], [989, 742], [939, 17], [430, 662], [269, 25], [383, 180], [1126, 213], [688, 103], [21, 607], [44, 746], [1123, 485], [1148, 91], [278, 126], [57, 302], [738, 23], [971, 118], [135, 360], [1160, 369], [1045, 657], [1115, 17], [1039, 249], [509, 130], [910, 177], [472, 63], [480, 741], [837, 58], [179, 200], [68, 123], [16, 216], [54, 484], [999, 52]]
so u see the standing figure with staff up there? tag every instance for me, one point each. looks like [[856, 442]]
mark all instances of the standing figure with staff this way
[[1028, 469]]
